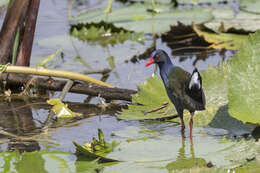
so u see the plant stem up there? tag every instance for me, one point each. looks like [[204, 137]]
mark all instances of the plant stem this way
[[54, 73]]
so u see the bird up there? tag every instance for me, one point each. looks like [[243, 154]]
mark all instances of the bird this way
[[183, 89]]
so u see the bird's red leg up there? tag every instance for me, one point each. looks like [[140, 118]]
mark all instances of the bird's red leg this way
[[191, 123]]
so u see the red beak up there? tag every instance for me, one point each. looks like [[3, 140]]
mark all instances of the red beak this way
[[151, 61]]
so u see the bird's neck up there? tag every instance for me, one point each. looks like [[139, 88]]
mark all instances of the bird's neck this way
[[165, 69]]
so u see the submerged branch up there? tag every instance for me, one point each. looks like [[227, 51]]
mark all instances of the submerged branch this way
[[81, 88]]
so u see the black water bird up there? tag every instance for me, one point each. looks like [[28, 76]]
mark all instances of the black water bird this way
[[184, 89]]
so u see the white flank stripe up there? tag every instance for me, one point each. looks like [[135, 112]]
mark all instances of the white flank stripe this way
[[194, 80]]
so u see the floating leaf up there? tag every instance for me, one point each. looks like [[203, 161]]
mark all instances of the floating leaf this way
[[225, 20], [250, 6], [158, 154], [104, 34], [137, 17], [222, 40], [186, 164], [151, 95], [244, 81], [249, 167], [97, 148], [62, 109]]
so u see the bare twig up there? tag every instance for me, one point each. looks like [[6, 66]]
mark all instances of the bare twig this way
[[66, 89], [157, 108], [82, 88]]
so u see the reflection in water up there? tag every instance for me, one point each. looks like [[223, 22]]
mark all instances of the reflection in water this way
[[16, 118], [24, 120], [181, 153], [185, 162], [23, 145]]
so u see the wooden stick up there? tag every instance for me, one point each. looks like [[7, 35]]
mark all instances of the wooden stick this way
[[81, 88], [157, 108]]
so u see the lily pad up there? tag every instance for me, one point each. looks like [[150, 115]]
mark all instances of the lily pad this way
[[250, 6], [150, 95], [186, 164], [137, 17], [159, 156], [225, 20], [104, 34], [222, 40], [244, 81]]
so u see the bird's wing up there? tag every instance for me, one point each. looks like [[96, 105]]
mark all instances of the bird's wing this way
[[178, 82]]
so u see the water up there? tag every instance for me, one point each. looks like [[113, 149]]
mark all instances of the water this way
[[53, 22]]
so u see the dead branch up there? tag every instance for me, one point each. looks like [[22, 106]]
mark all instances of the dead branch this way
[[78, 87], [157, 108]]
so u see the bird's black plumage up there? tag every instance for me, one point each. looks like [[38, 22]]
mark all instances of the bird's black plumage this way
[[184, 89]]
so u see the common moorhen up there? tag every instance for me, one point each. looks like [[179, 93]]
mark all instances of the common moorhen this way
[[184, 89]]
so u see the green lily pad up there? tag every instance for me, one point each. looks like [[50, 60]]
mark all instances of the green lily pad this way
[[244, 82], [137, 17], [249, 167], [250, 6], [225, 20], [151, 95], [186, 164], [104, 34]]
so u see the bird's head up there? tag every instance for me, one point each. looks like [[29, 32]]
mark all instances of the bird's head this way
[[157, 56]]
